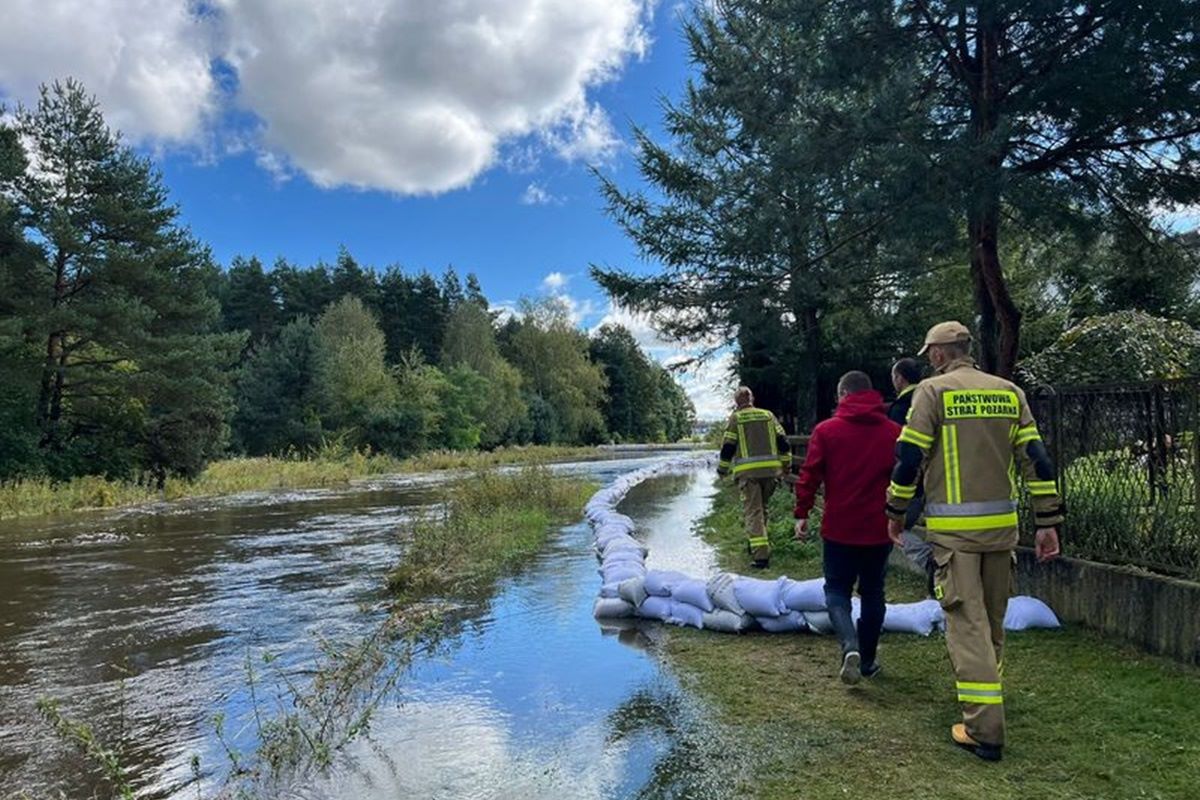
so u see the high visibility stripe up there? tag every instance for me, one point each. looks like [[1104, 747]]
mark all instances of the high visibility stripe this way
[[983, 700], [1042, 488], [741, 434], [984, 687], [979, 508], [905, 492], [765, 461], [730, 436], [723, 465], [760, 541], [965, 524], [753, 415], [1027, 434], [921, 440], [950, 461]]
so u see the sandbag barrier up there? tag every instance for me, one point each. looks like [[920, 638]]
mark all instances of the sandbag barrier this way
[[732, 603]]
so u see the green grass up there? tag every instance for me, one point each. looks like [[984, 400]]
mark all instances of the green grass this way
[[331, 466], [1087, 718], [485, 524]]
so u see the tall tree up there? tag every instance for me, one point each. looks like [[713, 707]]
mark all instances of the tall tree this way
[[278, 401], [248, 301], [118, 303]]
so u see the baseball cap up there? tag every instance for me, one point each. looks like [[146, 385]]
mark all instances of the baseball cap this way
[[945, 333]]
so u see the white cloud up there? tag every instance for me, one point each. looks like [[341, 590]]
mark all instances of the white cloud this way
[[554, 282], [536, 195], [408, 96], [146, 60]]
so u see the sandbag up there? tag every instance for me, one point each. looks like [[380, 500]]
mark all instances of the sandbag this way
[[720, 589], [632, 590], [693, 592], [610, 590], [658, 608], [760, 598], [615, 573], [818, 622], [805, 595], [1029, 612], [618, 556], [791, 622], [921, 618], [685, 614], [612, 608], [623, 543], [660, 582], [724, 621]]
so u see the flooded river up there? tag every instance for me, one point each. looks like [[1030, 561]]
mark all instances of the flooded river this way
[[142, 623]]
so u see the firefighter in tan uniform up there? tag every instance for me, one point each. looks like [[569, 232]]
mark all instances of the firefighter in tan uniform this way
[[755, 451], [974, 436]]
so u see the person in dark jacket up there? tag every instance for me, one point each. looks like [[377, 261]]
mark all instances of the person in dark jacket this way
[[852, 455], [906, 374]]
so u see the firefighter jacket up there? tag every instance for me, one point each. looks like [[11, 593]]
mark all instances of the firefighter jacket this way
[[754, 446], [974, 436]]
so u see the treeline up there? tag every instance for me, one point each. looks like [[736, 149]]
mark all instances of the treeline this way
[[124, 349]]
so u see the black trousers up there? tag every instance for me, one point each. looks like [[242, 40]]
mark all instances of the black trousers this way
[[845, 566]]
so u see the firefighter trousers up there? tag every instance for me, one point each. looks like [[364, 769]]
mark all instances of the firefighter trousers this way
[[973, 589], [756, 493]]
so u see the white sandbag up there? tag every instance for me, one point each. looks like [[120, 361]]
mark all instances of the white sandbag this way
[[632, 590], [720, 589], [610, 590], [658, 608], [620, 520], [791, 622], [660, 582], [612, 608], [626, 543], [921, 618], [615, 573], [760, 598], [618, 556], [818, 622], [685, 614], [805, 595], [1029, 612], [693, 592], [724, 621]]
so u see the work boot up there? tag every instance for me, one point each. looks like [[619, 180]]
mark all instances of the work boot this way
[[871, 670], [988, 752], [761, 563], [851, 672]]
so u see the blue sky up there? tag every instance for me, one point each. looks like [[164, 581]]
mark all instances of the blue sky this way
[[417, 133]]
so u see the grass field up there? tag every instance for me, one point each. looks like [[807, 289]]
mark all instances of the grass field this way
[[1088, 718]]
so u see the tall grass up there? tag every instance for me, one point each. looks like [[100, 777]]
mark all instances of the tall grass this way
[[484, 525], [330, 466]]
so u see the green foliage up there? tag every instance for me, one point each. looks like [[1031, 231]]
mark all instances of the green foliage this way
[[277, 398], [1122, 347]]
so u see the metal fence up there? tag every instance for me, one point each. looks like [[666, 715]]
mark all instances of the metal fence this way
[[1128, 458]]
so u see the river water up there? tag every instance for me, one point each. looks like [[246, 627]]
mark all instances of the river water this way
[[142, 623]]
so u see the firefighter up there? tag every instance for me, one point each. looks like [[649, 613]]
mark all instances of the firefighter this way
[[973, 434], [755, 451]]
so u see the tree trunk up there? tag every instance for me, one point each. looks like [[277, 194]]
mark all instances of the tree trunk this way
[[999, 317], [49, 409]]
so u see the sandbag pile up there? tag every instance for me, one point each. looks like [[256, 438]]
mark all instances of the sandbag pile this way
[[731, 603]]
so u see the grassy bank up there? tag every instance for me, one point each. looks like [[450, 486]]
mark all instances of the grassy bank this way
[[485, 525], [1087, 718], [329, 467]]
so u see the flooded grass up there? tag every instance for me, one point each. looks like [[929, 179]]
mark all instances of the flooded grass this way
[[484, 525], [1087, 718], [331, 466]]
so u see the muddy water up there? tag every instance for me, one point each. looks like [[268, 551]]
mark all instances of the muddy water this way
[[142, 623]]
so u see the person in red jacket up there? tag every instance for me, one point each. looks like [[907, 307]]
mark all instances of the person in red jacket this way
[[852, 454]]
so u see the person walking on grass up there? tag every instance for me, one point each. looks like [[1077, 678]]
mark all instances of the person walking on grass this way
[[755, 451], [852, 455], [906, 374], [969, 437]]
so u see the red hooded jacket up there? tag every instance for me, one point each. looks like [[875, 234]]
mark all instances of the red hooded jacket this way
[[852, 454]]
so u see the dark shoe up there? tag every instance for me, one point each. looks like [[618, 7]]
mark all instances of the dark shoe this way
[[988, 752], [871, 670], [761, 563], [851, 672]]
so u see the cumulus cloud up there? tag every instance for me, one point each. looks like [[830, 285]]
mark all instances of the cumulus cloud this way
[[148, 61], [536, 195], [402, 95], [554, 282]]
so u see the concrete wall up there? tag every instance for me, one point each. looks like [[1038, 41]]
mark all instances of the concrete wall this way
[[1161, 615]]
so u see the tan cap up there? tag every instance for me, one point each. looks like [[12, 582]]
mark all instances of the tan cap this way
[[946, 333]]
